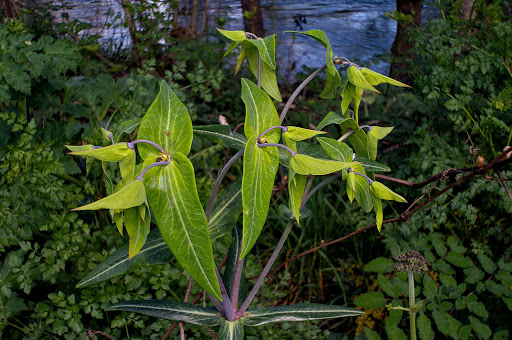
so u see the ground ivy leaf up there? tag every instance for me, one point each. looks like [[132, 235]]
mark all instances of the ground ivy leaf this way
[[131, 195], [167, 123], [260, 168], [172, 196]]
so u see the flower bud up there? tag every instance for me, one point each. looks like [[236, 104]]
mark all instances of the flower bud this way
[[480, 161]]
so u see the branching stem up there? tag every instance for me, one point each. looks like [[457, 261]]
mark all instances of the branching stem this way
[[293, 153], [149, 167], [283, 129], [131, 144]]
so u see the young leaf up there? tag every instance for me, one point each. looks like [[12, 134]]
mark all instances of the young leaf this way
[[333, 76], [172, 196], [236, 36], [137, 229], [306, 165], [127, 167], [260, 168], [171, 310], [298, 312], [371, 165], [106, 134], [260, 113], [330, 118], [75, 148], [221, 134], [267, 49], [231, 330], [155, 251], [131, 195], [127, 127], [167, 123], [112, 153], [381, 191], [296, 186], [337, 150], [356, 77], [351, 93], [374, 135], [374, 78], [377, 204], [362, 193], [268, 74], [298, 134], [351, 185]]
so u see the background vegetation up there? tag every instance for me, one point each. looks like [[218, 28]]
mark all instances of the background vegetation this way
[[59, 86]]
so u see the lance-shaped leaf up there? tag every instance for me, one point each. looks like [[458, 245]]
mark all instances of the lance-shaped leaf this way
[[171, 310], [374, 135], [356, 77], [221, 134], [298, 134], [268, 74], [306, 165], [229, 272], [127, 127], [131, 195], [172, 196], [112, 153], [260, 113], [75, 148], [260, 168], [351, 93], [375, 78], [371, 165], [155, 251], [231, 330], [236, 36], [226, 209], [337, 150], [296, 187], [137, 228], [330, 118], [267, 49], [167, 123], [333, 76], [351, 185], [377, 204], [381, 191], [127, 167], [298, 312], [362, 193]]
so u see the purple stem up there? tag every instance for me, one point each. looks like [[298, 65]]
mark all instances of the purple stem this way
[[283, 129], [217, 305], [369, 127], [279, 146], [149, 167], [226, 303], [370, 181], [131, 144], [235, 287]]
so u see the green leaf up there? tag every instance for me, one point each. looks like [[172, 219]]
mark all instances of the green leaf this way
[[260, 113], [106, 134], [333, 76], [379, 215], [167, 123], [236, 36], [221, 134], [351, 185], [131, 195], [268, 74], [375, 78], [473, 275], [337, 150], [487, 264], [127, 127], [298, 134], [226, 209], [306, 165], [229, 272], [171, 310], [370, 300], [231, 47], [362, 193], [231, 330], [387, 286], [381, 191], [296, 187], [379, 265], [260, 168], [379, 132], [464, 332], [371, 335], [393, 331], [330, 118], [501, 335], [459, 260], [172, 196], [446, 324], [267, 49], [505, 277], [425, 330], [112, 153], [127, 167], [75, 148], [356, 77], [371, 165], [482, 330], [298, 312], [155, 251], [137, 228], [476, 307]]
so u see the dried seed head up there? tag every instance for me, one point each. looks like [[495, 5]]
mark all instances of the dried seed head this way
[[411, 260]]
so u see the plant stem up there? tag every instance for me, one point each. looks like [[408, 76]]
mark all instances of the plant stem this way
[[131, 144], [297, 91], [235, 286], [149, 167], [265, 271], [348, 133], [226, 303], [283, 129], [412, 305], [293, 153], [370, 181], [217, 305]]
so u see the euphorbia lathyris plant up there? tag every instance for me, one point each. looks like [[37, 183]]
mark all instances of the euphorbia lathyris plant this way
[[164, 182]]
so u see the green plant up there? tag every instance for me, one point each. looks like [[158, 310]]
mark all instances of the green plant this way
[[165, 182]]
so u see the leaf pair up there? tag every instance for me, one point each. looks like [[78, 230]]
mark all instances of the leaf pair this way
[[251, 48]]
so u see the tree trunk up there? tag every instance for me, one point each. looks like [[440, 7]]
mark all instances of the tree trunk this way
[[132, 28], [193, 18], [253, 21], [402, 46]]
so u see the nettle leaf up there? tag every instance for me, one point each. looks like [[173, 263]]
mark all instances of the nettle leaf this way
[[381, 191], [172, 196], [356, 77], [131, 195], [306, 165], [298, 312], [425, 328], [299, 134], [260, 168], [138, 229], [370, 300], [333, 76], [171, 310], [127, 127], [221, 134], [330, 118], [226, 210], [167, 123], [379, 265], [155, 251], [268, 74], [231, 330], [112, 153], [375, 78], [487, 264], [446, 323], [296, 187]]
